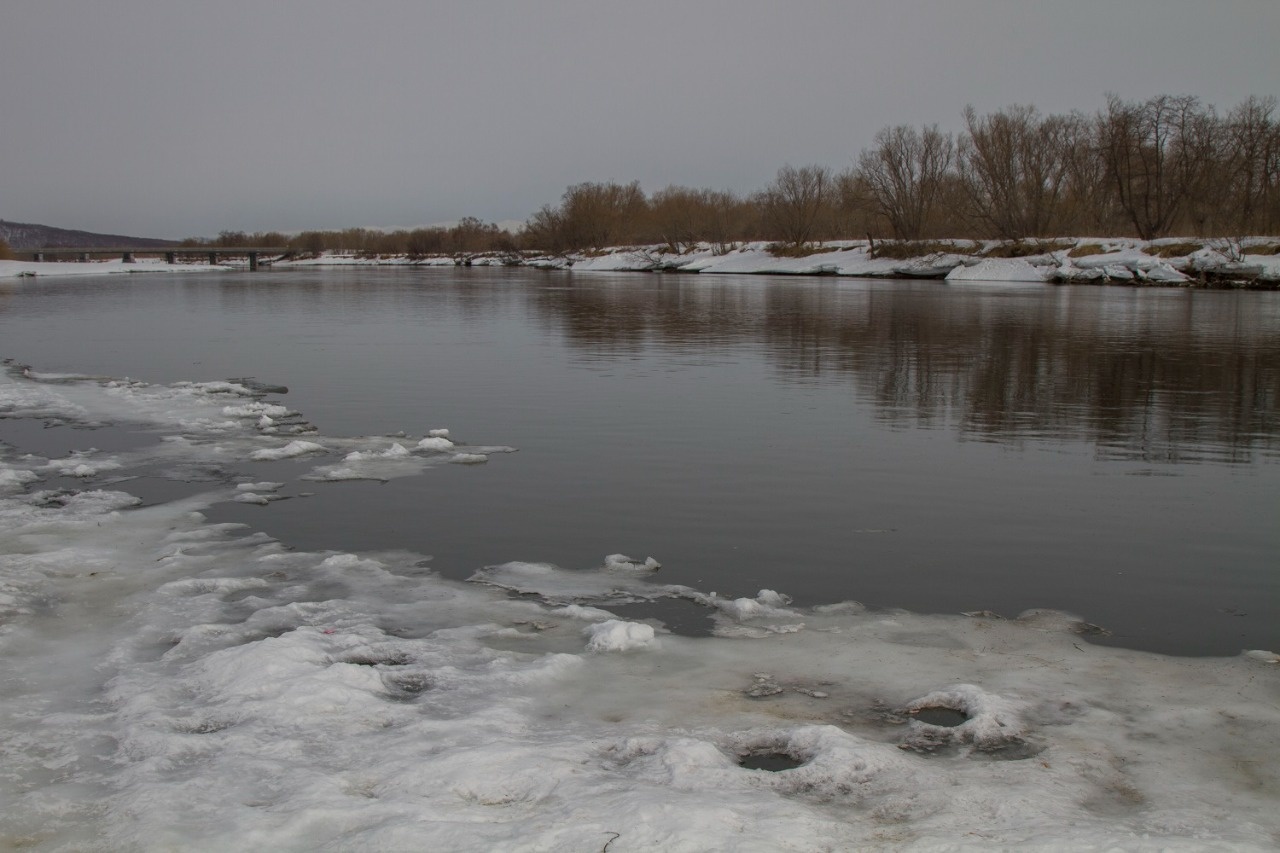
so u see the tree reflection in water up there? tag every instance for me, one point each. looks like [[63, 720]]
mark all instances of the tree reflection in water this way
[[1151, 375]]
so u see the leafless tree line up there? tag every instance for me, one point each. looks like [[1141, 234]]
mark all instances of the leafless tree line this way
[[468, 236], [1169, 164], [1136, 168]]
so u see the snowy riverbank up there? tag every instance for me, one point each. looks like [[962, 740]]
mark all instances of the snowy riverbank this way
[[170, 683], [1175, 262], [48, 269], [1172, 262], [1084, 260]]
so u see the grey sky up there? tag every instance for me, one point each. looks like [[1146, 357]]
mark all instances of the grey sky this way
[[174, 119]]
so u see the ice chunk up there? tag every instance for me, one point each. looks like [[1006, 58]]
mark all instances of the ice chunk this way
[[264, 486], [82, 465], [767, 603], [586, 614], [435, 443], [622, 562], [258, 410], [395, 451], [294, 448], [616, 635], [1165, 273], [468, 459], [12, 479]]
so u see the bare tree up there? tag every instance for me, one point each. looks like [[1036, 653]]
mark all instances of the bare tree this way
[[1150, 159], [904, 173], [680, 217], [546, 230], [1251, 137], [600, 215], [1015, 167], [797, 205], [589, 216]]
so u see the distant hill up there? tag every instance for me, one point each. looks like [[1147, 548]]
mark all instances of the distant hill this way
[[27, 235]]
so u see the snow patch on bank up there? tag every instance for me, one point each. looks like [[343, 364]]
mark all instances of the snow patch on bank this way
[[1000, 269], [63, 269]]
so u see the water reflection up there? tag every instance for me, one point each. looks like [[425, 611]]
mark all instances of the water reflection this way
[[1158, 376]]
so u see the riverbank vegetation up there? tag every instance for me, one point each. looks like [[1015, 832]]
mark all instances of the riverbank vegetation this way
[[1144, 169], [1141, 169]]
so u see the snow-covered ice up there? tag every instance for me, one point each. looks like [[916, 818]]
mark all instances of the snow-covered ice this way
[[170, 683], [10, 269]]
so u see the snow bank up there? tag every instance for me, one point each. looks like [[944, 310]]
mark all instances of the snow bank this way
[[176, 684], [60, 269], [1119, 260], [999, 269]]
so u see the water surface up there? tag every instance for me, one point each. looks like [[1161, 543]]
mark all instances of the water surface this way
[[1107, 451]]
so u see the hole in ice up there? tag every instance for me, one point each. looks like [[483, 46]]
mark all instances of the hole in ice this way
[[938, 716], [770, 761], [363, 659], [679, 615], [404, 686]]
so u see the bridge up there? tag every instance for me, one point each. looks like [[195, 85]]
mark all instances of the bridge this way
[[171, 253]]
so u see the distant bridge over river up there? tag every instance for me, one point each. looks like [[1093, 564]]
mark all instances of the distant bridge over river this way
[[171, 253]]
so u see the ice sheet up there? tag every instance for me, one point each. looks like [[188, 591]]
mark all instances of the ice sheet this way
[[174, 684]]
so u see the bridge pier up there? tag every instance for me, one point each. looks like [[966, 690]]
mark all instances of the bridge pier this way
[[170, 258], [128, 257], [84, 257], [38, 257], [213, 259], [253, 262]]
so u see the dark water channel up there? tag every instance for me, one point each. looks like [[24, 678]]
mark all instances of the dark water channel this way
[[1112, 452]]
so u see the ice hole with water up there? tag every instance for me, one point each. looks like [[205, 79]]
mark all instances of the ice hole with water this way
[[773, 762], [940, 716]]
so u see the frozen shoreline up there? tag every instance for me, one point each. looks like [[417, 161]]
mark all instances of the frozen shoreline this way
[[175, 683], [1212, 263], [1079, 260]]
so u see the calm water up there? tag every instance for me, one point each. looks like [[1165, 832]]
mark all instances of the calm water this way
[[1111, 452]]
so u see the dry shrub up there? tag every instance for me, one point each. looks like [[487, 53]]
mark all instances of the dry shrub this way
[[1174, 250], [788, 250], [1085, 250], [903, 249], [1025, 248], [6, 254]]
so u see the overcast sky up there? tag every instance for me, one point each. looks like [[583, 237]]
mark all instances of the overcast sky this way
[[174, 119]]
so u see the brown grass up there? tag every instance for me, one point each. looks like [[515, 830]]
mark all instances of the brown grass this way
[[903, 249], [789, 250], [6, 254], [1174, 250], [1085, 250], [1025, 248]]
